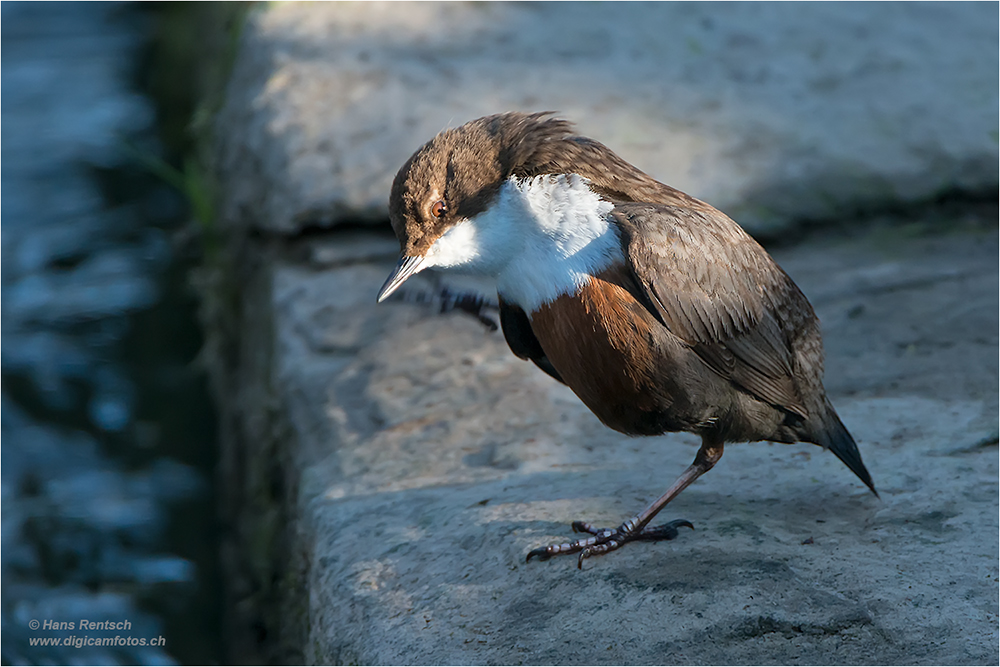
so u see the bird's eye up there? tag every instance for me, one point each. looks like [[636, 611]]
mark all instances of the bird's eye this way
[[438, 208]]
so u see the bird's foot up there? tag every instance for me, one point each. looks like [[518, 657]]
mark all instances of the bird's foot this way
[[604, 540]]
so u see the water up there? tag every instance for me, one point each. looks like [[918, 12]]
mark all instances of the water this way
[[107, 431]]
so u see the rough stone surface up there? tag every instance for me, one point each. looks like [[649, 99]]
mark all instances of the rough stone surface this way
[[428, 460], [773, 112]]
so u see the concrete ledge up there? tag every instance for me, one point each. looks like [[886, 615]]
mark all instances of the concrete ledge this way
[[386, 469], [423, 461]]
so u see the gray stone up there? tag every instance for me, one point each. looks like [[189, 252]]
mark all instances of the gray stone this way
[[427, 460], [775, 113]]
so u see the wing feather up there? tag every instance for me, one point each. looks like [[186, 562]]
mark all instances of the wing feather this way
[[717, 290]]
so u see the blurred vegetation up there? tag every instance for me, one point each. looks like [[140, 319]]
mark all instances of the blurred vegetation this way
[[183, 70], [187, 65]]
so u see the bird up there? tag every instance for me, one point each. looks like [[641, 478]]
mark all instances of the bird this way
[[655, 308]]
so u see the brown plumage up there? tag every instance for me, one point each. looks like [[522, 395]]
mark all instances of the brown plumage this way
[[655, 308]]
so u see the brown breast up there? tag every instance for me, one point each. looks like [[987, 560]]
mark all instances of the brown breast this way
[[615, 356]]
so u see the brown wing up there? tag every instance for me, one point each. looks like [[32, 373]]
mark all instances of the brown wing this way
[[717, 290]]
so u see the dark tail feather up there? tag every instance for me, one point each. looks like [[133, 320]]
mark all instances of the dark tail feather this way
[[835, 437]]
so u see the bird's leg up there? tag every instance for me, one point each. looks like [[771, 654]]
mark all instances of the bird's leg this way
[[603, 540]]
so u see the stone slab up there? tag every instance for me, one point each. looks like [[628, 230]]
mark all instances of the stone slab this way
[[429, 460], [774, 112]]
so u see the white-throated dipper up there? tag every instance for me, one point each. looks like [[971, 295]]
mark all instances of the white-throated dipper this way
[[655, 308]]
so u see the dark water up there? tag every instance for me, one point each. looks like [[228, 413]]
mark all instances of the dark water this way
[[107, 429]]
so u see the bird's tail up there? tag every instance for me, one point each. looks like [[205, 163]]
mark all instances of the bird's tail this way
[[833, 435]]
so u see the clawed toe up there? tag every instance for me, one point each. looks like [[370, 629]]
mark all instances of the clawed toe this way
[[604, 540], [584, 527], [542, 553]]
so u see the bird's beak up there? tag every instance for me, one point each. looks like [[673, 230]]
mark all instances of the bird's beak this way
[[406, 267]]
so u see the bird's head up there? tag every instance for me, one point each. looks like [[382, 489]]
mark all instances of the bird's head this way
[[440, 193]]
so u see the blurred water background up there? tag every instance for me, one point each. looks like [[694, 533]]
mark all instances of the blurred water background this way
[[107, 428]]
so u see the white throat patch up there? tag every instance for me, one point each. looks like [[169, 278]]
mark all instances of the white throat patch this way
[[541, 238]]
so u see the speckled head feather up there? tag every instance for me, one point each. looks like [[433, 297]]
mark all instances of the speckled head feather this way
[[464, 167]]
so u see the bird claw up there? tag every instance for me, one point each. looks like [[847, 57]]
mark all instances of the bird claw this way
[[605, 540], [541, 552]]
